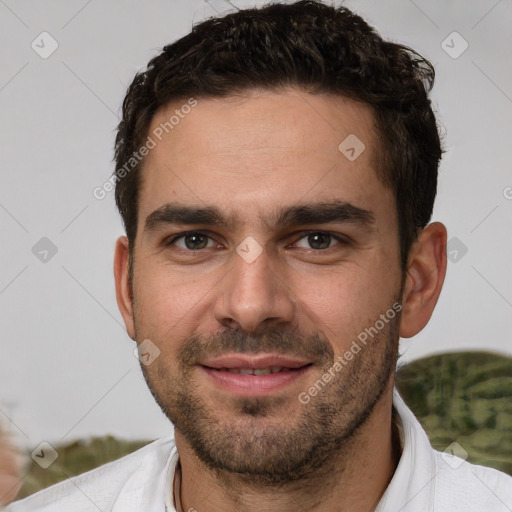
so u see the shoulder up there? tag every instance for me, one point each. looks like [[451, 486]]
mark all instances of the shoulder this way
[[427, 479], [463, 486], [100, 488]]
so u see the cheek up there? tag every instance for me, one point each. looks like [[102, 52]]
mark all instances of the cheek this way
[[342, 304], [168, 305]]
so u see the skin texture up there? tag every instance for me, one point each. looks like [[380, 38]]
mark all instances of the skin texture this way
[[10, 468], [251, 157]]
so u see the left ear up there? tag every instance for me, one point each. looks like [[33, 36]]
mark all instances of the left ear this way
[[426, 268]]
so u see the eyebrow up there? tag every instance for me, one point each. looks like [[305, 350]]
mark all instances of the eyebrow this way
[[173, 213], [305, 214], [323, 213]]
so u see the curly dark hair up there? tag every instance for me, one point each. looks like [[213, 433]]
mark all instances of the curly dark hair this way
[[318, 48]]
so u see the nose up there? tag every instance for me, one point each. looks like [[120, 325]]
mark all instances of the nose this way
[[254, 295]]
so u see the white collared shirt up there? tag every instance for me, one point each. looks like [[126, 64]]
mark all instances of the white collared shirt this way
[[424, 481]]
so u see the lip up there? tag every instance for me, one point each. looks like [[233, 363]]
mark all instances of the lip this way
[[254, 385], [255, 362]]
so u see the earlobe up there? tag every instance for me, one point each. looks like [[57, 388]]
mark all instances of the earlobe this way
[[424, 281], [123, 292]]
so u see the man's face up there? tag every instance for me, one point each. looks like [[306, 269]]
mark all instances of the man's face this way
[[295, 254]]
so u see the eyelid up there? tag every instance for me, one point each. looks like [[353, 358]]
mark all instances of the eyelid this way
[[339, 237], [172, 238]]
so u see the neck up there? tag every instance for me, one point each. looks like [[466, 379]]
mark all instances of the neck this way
[[352, 479]]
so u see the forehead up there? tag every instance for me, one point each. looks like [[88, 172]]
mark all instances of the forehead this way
[[262, 149]]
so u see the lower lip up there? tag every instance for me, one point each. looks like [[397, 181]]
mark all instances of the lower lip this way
[[254, 385]]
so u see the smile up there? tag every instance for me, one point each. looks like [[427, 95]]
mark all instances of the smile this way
[[260, 375], [255, 371]]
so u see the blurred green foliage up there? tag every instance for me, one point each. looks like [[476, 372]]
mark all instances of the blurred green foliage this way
[[76, 458], [464, 397]]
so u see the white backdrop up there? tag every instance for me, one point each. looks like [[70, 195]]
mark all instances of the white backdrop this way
[[66, 363]]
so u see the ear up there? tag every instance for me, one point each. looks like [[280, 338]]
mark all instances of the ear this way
[[426, 268], [123, 295]]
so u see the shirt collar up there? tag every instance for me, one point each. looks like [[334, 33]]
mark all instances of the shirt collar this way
[[169, 488], [412, 484]]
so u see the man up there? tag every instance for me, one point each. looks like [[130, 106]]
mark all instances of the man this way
[[276, 171]]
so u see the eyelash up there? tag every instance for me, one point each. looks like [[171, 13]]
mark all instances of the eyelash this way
[[341, 239]]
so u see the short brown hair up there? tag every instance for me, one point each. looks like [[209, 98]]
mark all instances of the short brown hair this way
[[318, 48]]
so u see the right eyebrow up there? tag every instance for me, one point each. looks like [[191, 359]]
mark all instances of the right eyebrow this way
[[179, 214]]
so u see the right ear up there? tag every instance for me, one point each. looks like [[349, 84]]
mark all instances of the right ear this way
[[123, 292]]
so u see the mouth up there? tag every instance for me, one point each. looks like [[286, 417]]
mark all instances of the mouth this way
[[255, 371], [258, 375]]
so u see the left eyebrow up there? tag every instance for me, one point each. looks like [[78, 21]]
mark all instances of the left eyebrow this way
[[325, 212]]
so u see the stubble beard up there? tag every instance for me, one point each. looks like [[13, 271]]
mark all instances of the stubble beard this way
[[249, 439]]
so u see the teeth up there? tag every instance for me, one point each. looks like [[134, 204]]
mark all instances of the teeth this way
[[263, 371], [252, 371]]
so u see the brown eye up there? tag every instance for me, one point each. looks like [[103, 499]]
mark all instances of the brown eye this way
[[318, 241], [192, 241], [195, 241]]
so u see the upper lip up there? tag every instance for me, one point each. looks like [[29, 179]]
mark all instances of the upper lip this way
[[258, 361]]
